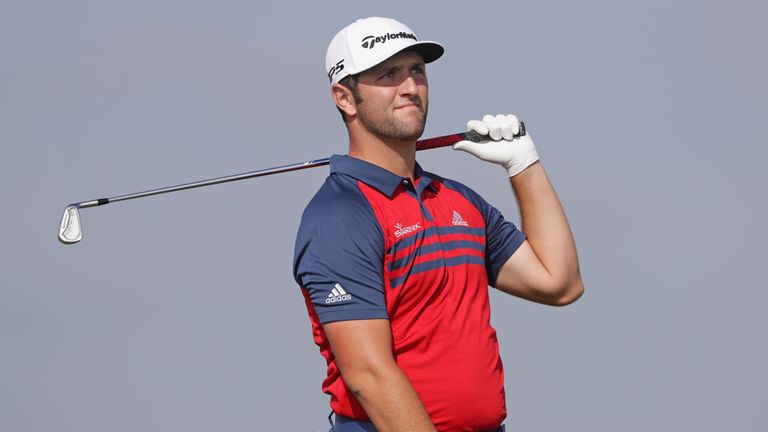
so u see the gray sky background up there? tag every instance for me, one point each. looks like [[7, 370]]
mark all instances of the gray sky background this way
[[180, 312]]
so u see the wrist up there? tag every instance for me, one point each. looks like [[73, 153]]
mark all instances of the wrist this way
[[515, 167]]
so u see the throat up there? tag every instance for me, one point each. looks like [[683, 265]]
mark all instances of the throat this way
[[397, 157]]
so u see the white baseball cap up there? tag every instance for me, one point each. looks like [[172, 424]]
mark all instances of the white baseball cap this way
[[368, 42]]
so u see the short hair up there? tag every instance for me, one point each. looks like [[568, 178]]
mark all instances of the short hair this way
[[350, 82]]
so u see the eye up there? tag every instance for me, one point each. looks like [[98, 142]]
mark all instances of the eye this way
[[387, 75], [418, 69]]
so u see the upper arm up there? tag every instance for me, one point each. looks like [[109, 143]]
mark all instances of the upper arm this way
[[524, 275], [363, 353], [360, 346]]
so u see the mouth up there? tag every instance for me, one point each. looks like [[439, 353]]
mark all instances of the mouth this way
[[412, 103], [409, 105]]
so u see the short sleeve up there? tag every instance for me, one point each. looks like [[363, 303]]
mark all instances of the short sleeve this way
[[339, 256], [502, 240]]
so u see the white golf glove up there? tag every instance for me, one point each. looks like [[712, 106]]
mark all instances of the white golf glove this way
[[513, 153]]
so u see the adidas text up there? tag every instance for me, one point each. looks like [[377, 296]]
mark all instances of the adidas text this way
[[337, 295]]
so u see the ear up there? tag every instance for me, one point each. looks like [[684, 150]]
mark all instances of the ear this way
[[344, 99]]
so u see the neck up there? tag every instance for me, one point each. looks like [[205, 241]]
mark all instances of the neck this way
[[396, 156]]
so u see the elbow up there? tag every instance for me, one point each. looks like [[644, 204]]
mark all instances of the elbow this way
[[568, 293], [562, 293], [364, 378], [547, 289]]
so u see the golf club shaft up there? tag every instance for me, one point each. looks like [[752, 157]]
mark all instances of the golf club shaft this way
[[218, 180], [430, 143]]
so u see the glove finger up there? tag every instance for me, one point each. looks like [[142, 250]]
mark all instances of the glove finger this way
[[507, 131], [477, 126], [515, 122], [494, 128]]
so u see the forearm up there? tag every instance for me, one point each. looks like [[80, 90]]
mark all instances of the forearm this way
[[544, 268], [546, 227], [389, 399]]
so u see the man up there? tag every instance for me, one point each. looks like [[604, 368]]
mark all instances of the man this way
[[394, 262]]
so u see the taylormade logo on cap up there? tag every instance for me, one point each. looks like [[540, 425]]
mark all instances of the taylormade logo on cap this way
[[370, 41]]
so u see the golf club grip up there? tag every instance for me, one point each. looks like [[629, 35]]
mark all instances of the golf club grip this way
[[448, 140]]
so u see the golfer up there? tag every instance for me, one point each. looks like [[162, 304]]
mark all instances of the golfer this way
[[394, 262]]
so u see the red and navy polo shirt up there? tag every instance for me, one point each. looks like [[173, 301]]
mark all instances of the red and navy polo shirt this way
[[420, 254]]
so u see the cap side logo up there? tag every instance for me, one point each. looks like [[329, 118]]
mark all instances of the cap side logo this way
[[371, 40], [336, 69]]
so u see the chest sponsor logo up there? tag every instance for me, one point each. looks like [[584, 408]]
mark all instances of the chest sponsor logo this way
[[458, 220], [400, 230], [337, 295]]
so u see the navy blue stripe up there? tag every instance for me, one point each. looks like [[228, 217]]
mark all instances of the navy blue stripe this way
[[435, 264], [423, 250], [444, 230]]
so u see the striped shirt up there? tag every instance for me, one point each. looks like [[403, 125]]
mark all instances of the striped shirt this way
[[420, 254]]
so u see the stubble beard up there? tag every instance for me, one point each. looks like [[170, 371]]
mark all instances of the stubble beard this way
[[387, 126]]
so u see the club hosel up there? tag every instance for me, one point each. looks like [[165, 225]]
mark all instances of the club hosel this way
[[92, 203]]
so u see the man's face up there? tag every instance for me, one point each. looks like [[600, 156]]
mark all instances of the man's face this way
[[394, 97]]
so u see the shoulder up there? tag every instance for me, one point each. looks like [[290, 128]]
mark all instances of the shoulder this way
[[461, 188], [339, 216], [337, 228], [338, 201]]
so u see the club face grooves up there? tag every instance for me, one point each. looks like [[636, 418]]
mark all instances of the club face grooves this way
[[70, 230]]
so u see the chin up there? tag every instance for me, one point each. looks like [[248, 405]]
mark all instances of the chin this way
[[411, 130]]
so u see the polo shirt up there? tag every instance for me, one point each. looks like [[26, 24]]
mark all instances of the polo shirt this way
[[421, 254]]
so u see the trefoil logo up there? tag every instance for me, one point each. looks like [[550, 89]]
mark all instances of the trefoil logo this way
[[371, 41]]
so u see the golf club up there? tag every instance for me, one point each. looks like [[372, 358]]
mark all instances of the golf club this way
[[71, 231]]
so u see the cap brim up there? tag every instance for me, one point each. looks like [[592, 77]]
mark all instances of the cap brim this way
[[429, 51]]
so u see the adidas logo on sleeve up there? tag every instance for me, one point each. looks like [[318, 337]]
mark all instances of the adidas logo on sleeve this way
[[337, 295]]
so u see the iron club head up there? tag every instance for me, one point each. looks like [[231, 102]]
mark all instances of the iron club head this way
[[70, 230]]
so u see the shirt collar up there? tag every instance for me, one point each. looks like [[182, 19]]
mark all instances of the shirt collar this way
[[375, 176]]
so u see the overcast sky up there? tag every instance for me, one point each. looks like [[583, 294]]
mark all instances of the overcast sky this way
[[180, 312]]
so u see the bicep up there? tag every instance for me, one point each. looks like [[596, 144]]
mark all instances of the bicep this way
[[523, 275], [360, 346]]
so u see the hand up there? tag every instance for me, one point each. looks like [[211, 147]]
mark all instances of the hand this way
[[503, 148]]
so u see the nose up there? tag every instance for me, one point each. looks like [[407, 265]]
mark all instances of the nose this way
[[409, 86]]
